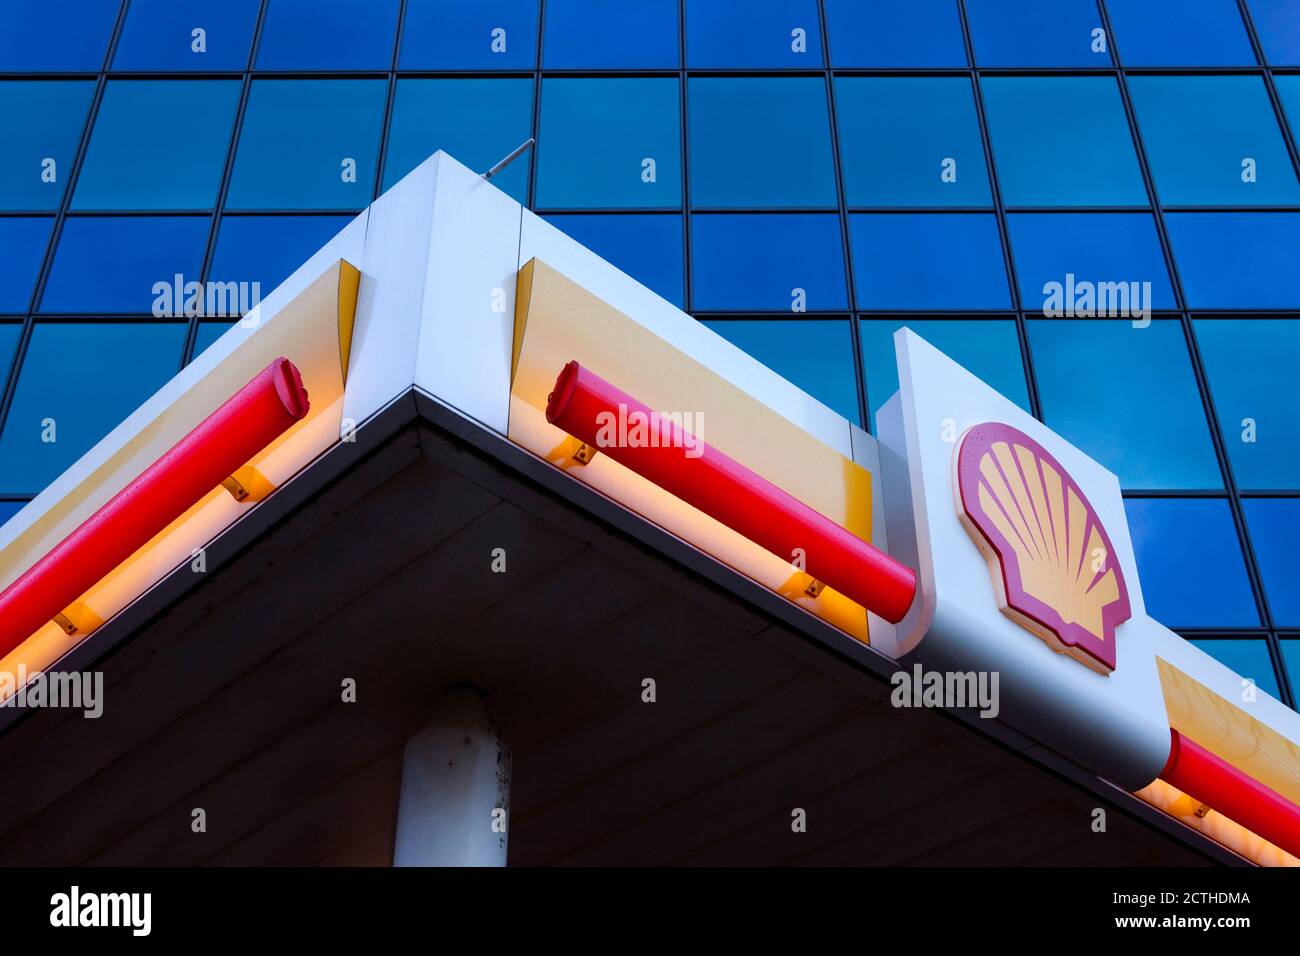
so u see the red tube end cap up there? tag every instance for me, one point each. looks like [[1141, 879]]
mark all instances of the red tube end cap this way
[[288, 385], [558, 400]]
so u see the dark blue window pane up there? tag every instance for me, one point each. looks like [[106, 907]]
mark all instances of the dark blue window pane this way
[[208, 333], [760, 142], [1251, 366], [1190, 563], [339, 35], [8, 509], [1274, 526], [775, 262], [42, 126], [940, 261], [469, 35], [1126, 396], [1278, 26], [815, 354], [1291, 657], [1249, 658], [988, 348], [105, 264], [1231, 260], [1288, 90], [753, 33], [911, 141], [22, 249], [610, 143], [118, 367], [476, 121], [648, 247], [1180, 33], [599, 35], [267, 249], [129, 166], [55, 35], [9, 333], [160, 35], [1094, 248], [1213, 141], [1062, 141], [308, 144], [1035, 33], [907, 33]]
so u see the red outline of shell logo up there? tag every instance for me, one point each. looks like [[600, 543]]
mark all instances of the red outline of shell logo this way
[[1048, 553]]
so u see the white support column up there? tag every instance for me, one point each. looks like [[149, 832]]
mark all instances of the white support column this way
[[455, 799]]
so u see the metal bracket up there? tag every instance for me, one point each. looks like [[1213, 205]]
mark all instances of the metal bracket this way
[[584, 454], [814, 587]]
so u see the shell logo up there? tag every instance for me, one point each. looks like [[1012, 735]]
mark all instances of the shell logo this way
[[1051, 560]]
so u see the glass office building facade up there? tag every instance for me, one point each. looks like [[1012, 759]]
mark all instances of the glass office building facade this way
[[1093, 206]]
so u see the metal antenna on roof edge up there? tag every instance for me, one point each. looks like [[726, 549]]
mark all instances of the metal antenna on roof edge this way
[[514, 154]]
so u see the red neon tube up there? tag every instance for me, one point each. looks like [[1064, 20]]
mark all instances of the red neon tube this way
[[223, 442], [728, 491], [1237, 795]]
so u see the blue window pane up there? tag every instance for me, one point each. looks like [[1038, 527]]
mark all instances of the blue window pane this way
[[907, 33], [1034, 33], [129, 166], [598, 35], [988, 348], [1237, 260], [9, 333], [22, 249], [910, 261], [300, 140], [1213, 140], [1288, 90], [1251, 366], [910, 142], [208, 333], [789, 262], [1190, 563], [1126, 396], [1092, 248], [1274, 526], [105, 264], [1249, 658], [610, 143], [339, 35], [1062, 141], [752, 33], [469, 35], [476, 121], [38, 139], [118, 367], [1278, 27], [55, 35], [1180, 33], [783, 125], [267, 249], [1291, 657], [160, 35], [648, 247], [815, 354], [8, 509]]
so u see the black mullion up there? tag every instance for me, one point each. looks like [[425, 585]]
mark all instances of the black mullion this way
[[531, 200], [56, 231], [1202, 381], [1000, 211], [1270, 85], [382, 156], [219, 203], [688, 274]]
